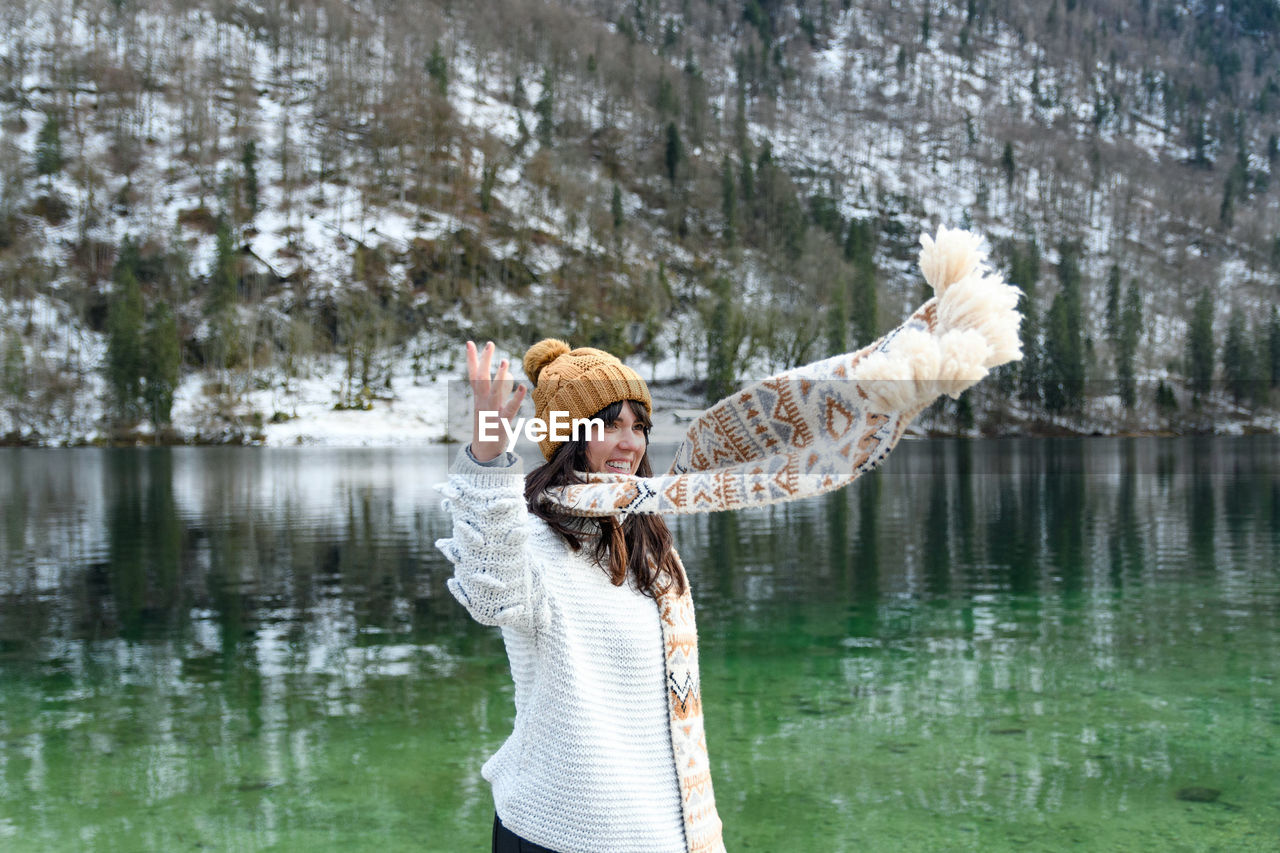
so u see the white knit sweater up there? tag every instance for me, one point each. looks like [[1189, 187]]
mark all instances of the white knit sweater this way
[[588, 767]]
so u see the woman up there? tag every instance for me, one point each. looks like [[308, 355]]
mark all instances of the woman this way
[[591, 764]]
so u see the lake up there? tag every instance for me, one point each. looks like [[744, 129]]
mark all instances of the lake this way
[[987, 645]]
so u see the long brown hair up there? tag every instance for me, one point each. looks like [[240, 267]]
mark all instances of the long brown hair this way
[[640, 546]]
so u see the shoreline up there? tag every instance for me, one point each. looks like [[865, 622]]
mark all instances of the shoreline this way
[[171, 438]]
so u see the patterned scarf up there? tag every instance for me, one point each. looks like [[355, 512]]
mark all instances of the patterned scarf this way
[[803, 433]]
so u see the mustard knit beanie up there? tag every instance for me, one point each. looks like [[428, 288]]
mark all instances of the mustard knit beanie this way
[[578, 381]]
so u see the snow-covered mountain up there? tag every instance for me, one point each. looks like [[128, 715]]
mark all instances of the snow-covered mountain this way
[[391, 178]]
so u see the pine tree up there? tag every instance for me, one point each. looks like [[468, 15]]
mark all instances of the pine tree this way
[[1113, 303], [675, 151], [13, 369], [522, 133], [518, 97], [670, 36], [224, 280], [1064, 339], [125, 355], [753, 14], [1031, 368], [1198, 138], [724, 331], [438, 70], [249, 159], [625, 29], [615, 208], [1227, 210], [1024, 273], [964, 412], [1007, 163], [488, 179], [544, 109], [1200, 347], [1058, 356], [163, 364], [127, 258], [748, 182], [740, 137], [1273, 346], [695, 100], [860, 251], [49, 148], [1127, 345], [1237, 360], [1166, 401], [729, 201], [810, 30], [837, 319]]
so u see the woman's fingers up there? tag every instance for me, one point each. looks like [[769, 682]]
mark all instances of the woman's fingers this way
[[508, 403], [476, 372], [502, 381], [513, 405], [486, 359], [492, 391], [478, 366]]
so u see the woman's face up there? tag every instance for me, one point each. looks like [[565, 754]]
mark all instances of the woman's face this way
[[622, 447]]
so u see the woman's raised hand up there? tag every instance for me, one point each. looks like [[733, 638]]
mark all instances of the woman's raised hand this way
[[492, 395]]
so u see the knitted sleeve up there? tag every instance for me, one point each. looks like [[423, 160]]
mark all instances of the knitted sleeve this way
[[494, 576]]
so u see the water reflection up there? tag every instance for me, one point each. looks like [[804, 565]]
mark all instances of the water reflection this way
[[1016, 640]]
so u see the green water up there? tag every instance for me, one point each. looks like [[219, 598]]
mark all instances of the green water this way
[[1004, 645]]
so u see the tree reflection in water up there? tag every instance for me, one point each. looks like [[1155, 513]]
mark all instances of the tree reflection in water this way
[[985, 645]]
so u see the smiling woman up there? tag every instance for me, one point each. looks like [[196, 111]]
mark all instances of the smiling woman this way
[[608, 750]]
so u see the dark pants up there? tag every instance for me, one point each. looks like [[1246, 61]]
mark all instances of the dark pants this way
[[506, 841]]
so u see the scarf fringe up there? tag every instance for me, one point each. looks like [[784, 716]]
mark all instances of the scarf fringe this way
[[702, 828]]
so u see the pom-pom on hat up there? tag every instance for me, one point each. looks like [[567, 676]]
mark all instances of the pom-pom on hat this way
[[579, 381]]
